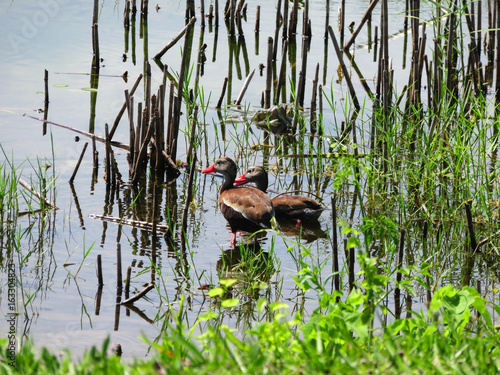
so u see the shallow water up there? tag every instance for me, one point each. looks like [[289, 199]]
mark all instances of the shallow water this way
[[56, 36]]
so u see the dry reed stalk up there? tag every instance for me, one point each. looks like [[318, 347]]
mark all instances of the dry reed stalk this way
[[46, 101], [139, 295], [224, 86], [124, 106], [119, 280], [99, 270], [139, 167], [130, 111], [42, 199], [244, 88], [277, 29], [108, 156], [397, 291], [176, 38], [327, 19], [189, 195], [269, 73], [282, 73], [284, 35], [365, 18], [344, 69], [72, 178], [313, 120], [216, 14], [335, 249], [127, 282], [292, 29]]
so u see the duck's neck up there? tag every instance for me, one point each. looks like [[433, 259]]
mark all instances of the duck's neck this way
[[262, 183], [228, 183]]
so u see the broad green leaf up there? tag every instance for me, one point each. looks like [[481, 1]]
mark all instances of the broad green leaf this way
[[230, 302]]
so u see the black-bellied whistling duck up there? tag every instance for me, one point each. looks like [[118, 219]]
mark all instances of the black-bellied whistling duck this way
[[249, 210], [294, 207]]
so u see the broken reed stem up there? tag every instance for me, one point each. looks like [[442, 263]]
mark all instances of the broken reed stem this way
[[277, 29], [299, 99], [108, 156], [139, 295], [292, 29], [282, 75], [365, 18], [202, 13], [313, 125], [344, 69], [327, 19], [46, 103], [95, 154], [90, 135], [320, 109], [130, 110], [124, 106], [470, 227], [284, 35], [335, 249], [138, 131], [37, 194], [351, 266], [257, 19], [399, 275], [127, 282], [192, 134], [145, 225], [170, 121], [189, 194], [269, 73], [216, 13], [99, 270], [119, 280], [224, 86], [143, 153], [176, 38], [244, 88], [71, 179]]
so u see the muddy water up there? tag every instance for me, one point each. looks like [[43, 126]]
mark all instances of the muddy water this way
[[66, 310]]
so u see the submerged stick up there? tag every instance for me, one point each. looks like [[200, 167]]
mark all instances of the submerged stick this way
[[175, 40], [71, 179], [37, 194]]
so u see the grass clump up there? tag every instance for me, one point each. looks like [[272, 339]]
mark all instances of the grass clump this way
[[345, 334]]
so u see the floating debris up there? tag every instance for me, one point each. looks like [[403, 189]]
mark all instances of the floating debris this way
[[133, 223]]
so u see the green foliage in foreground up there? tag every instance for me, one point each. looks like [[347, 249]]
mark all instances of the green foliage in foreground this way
[[456, 335]]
